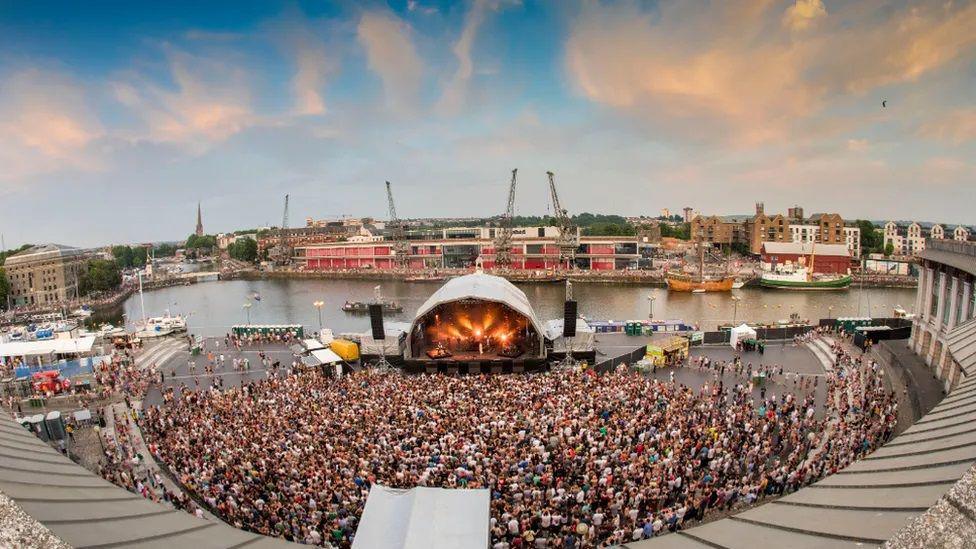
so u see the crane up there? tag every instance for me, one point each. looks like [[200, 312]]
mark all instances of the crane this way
[[568, 238], [401, 250], [503, 238]]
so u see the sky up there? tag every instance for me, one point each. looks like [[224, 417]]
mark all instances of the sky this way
[[117, 118]]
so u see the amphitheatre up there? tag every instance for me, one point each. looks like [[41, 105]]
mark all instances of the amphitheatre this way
[[845, 450]]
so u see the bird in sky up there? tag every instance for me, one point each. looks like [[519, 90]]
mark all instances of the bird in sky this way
[[884, 103]]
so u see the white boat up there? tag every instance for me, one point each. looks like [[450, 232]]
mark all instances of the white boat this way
[[162, 325], [108, 330], [82, 313], [738, 284]]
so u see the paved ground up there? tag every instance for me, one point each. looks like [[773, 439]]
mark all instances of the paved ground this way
[[175, 365]]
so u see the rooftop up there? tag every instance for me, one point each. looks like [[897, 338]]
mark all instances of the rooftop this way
[[44, 251]]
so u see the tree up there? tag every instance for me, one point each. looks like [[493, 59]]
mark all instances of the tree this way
[[100, 276], [872, 241], [243, 249], [4, 288], [681, 232], [124, 256], [889, 249]]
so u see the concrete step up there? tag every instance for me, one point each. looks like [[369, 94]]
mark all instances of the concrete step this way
[[917, 498], [947, 474], [864, 526]]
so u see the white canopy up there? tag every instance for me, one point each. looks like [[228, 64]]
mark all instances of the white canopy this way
[[326, 356], [741, 332], [312, 344], [61, 346], [423, 518], [484, 287]]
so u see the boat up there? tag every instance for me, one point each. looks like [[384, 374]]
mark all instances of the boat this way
[[362, 307], [108, 330], [256, 296], [424, 279], [738, 284], [683, 282], [799, 276], [83, 312]]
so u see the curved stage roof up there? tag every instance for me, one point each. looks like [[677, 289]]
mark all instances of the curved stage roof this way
[[484, 287]]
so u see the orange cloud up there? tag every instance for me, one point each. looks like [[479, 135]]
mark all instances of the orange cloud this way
[[737, 70], [957, 127], [46, 125]]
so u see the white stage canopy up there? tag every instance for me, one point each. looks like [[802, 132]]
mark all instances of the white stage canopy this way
[[424, 518]]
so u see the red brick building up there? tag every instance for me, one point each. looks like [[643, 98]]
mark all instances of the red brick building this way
[[829, 258]]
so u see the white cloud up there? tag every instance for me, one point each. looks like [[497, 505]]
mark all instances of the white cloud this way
[[804, 14], [456, 90], [391, 55]]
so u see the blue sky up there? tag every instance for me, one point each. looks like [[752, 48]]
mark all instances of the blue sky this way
[[117, 117]]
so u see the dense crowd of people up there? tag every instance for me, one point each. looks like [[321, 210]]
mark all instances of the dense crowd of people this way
[[571, 459]]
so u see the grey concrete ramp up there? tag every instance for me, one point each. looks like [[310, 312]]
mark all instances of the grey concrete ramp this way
[[917, 498], [872, 527], [911, 438], [87, 511], [940, 443], [900, 463], [947, 474], [737, 534], [669, 541]]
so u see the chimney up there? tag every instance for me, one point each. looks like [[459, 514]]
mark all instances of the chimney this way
[[759, 208]]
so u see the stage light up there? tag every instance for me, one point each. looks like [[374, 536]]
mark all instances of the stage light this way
[[477, 333]]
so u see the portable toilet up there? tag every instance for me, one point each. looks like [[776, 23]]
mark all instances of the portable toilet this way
[[55, 425], [39, 427]]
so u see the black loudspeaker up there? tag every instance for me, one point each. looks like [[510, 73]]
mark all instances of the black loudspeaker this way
[[569, 318], [376, 321]]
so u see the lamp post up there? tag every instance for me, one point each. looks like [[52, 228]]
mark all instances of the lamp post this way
[[735, 308], [650, 306], [318, 305], [247, 310], [830, 310]]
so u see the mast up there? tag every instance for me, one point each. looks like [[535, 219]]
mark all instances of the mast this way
[[813, 256], [142, 304], [701, 261]]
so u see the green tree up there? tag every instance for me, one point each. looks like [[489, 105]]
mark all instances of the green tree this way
[[889, 249], [165, 250], [195, 242], [124, 256], [682, 232], [872, 240], [4, 288], [100, 276], [243, 249]]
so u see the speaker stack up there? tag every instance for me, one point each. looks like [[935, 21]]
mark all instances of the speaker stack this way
[[569, 318], [376, 321]]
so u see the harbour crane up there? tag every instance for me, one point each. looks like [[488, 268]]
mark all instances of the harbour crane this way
[[568, 239], [503, 238], [401, 249]]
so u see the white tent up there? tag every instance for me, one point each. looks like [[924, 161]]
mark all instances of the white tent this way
[[423, 518], [741, 332], [326, 356]]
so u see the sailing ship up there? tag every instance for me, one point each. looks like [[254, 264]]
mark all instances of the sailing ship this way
[[802, 277], [682, 282]]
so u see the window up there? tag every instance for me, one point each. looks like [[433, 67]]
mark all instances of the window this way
[[934, 309], [959, 302], [945, 299], [972, 300]]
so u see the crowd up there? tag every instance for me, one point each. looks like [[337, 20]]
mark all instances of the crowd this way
[[571, 459]]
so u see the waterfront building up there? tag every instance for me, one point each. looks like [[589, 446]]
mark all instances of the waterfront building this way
[[45, 274], [811, 233], [461, 247], [715, 229], [945, 306], [762, 228]]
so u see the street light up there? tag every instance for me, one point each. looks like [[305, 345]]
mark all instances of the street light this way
[[735, 304], [247, 309], [829, 311], [318, 305], [650, 306]]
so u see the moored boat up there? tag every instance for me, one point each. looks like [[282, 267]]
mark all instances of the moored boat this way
[[800, 276], [363, 307]]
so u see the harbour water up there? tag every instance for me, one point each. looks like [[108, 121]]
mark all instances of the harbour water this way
[[212, 307]]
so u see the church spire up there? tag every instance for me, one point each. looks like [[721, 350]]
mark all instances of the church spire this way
[[199, 221]]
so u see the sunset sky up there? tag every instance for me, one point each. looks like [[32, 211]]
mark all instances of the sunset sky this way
[[117, 117]]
